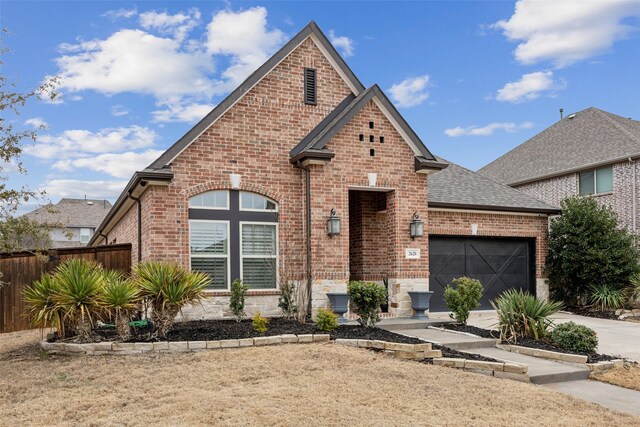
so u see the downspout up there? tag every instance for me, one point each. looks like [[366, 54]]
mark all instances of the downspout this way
[[137, 200], [106, 238], [633, 196], [307, 176]]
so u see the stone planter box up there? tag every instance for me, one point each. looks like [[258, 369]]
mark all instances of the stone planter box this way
[[400, 350], [562, 357], [512, 371]]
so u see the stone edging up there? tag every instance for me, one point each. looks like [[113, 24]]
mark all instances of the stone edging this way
[[101, 348], [400, 350], [562, 357], [512, 371]]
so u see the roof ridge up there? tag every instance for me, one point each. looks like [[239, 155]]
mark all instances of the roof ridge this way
[[618, 126]]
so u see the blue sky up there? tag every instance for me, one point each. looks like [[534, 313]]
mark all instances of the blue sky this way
[[474, 79]]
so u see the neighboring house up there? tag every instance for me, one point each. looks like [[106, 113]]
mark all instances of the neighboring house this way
[[256, 189], [74, 220], [591, 152]]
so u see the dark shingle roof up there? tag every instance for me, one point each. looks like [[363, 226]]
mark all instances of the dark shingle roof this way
[[457, 187], [585, 139], [73, 213]]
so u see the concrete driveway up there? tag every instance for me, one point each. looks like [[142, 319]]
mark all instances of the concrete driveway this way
[[614, 337]]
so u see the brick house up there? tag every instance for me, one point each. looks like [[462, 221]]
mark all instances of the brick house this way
[[249, 192], [591, 152]]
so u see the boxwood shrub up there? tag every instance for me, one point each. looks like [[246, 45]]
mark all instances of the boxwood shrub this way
[[573, 337]]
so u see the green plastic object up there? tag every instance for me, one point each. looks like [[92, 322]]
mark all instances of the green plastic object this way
[[135, 324]]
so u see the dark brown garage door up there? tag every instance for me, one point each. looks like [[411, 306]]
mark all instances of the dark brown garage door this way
[[499, 264]]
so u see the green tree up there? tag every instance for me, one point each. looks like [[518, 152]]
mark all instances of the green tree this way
[[587, 247], [17, 232]]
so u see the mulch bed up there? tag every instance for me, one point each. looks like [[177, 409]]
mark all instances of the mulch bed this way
[[611, 315], [528, 342]]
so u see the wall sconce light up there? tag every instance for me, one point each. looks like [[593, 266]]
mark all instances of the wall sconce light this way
[[373, 179], [333, 224], [235, 180], [474, 229], [416, 228]]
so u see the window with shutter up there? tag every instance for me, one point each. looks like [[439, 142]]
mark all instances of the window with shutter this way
[[310, 86]]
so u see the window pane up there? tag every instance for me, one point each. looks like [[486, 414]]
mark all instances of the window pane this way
[[259, 273], [214, 267], [210, 199], [209, 237], [256, 201], [604, 180], [258, 239], [586, 183], [85, 235]]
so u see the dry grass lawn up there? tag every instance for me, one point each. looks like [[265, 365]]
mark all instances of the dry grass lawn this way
[[315, 384], [628, 377]]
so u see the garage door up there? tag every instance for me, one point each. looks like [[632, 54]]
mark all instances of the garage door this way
[[499, 264]]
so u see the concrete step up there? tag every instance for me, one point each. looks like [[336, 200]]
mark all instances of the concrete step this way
[[541, 371], [607, 395], [452, 340]]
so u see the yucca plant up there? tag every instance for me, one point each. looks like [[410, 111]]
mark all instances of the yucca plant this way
[[79, 296], [521, 314], [121, 298], [41, 305], [606, 297], [168, 287], [633, 290]]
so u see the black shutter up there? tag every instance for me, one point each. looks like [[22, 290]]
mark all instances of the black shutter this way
[[310, 88]]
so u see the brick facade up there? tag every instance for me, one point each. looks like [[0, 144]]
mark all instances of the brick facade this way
[[553, 190]]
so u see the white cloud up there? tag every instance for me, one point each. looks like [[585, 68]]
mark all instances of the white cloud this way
[[243, 36], [180, 111], [36, 122], [565, 32], [488, 129], [342, 43], [177, 26], [79, 188], [120, 13], [121, 165], [529, 87], [411, 91], [119, 110], [134, 61], [79, 142]]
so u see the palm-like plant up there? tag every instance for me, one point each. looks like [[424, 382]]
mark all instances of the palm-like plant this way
[[168, 287], [521, 314], [121, 297], [42, 308], [633, 291], [606, 297], [79, 296]]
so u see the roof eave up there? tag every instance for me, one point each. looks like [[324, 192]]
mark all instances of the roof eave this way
[[308, 157], [515, 209], [425, 166]]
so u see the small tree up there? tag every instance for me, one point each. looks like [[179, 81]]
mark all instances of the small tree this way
[[238, 295], [365, 299], [587, 248], [464, 298]]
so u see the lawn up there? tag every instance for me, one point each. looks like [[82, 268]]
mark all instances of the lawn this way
[[628, 376], [308, 384]]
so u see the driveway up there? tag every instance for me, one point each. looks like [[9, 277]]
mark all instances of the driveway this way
[[614, 337]]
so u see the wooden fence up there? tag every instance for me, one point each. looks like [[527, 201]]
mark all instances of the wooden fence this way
[[20, 269]]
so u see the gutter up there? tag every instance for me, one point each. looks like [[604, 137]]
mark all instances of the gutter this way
[[515, 210]]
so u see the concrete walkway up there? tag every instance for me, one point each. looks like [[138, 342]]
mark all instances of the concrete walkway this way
[[614, 337], [607, 395]]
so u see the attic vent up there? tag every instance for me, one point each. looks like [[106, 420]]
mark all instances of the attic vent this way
[[90, 203], [310, 87], [571, 116]]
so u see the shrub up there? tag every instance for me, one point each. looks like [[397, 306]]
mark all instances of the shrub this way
[[573, 337], [523, 315], [287, 300], [41, 305], [167, 287], [587, 247], [121, 298], [606, 297], [259, 323], [326, 320], [238, 295], [365, 300], [633, 290], [79, 294], [464, 298]]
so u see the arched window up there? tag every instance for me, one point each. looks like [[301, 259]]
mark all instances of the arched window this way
[[234, 235]]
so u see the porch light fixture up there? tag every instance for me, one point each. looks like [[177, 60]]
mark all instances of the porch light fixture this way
[[416, 228], [235, 180], [333, 224]]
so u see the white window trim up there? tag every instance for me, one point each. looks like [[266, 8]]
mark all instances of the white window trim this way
[[595, 182], [275, 256], [227, 256], [257, 210], [211, 208]]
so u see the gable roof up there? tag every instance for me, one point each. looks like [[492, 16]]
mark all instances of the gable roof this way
[[586, 139], [311, 30], [314, 143], [458, 187], [77, 213]]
